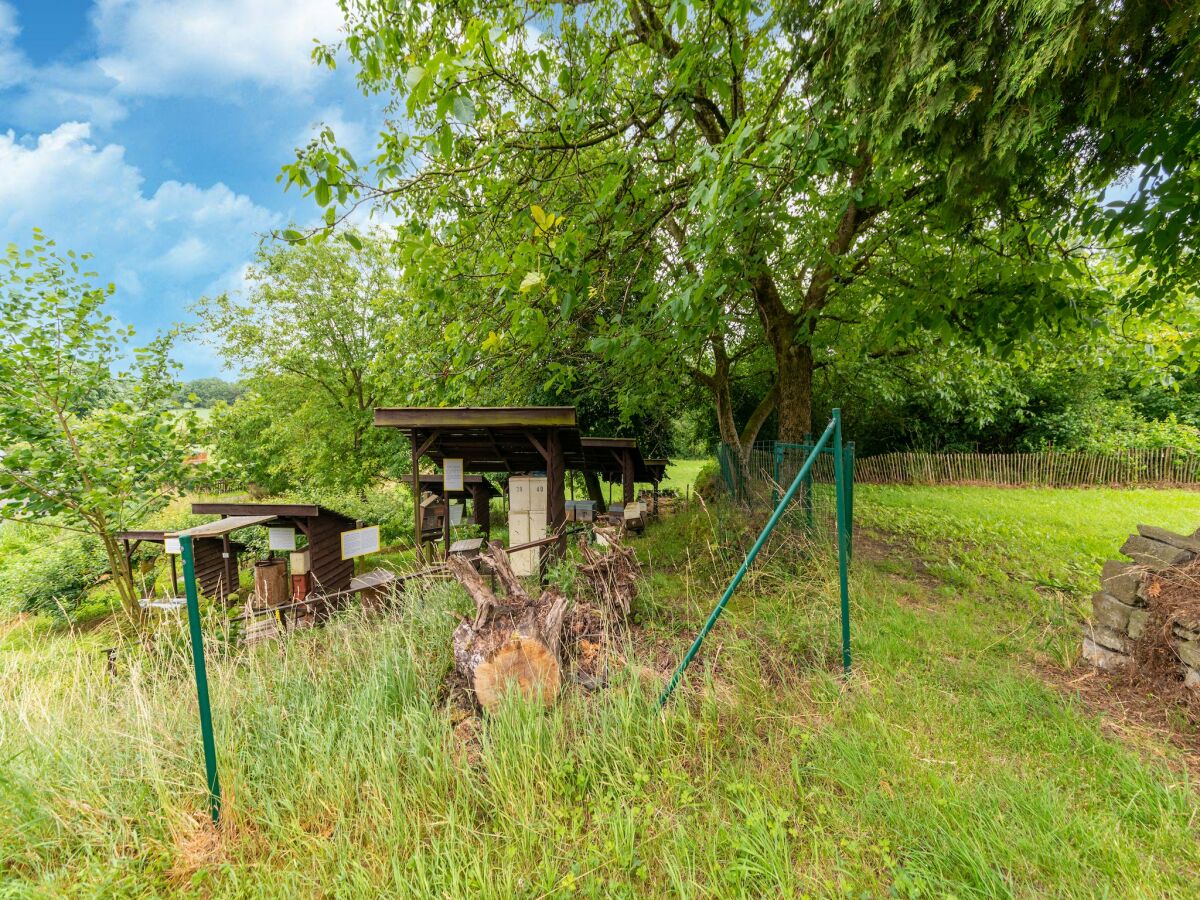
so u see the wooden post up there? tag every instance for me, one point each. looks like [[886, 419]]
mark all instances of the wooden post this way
[[627, 477], [556, 495], [482, 511], [445, 519], [229, 568], [174, 575], [416, 490]]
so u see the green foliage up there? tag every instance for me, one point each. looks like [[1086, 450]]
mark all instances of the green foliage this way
[[52, 576], [87, 446], [206, 392], [724, 191], [313, 336]]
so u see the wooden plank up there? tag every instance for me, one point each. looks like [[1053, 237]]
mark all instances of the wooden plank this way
[[258, 509], [409, 417], [224, 526], [156, 537]]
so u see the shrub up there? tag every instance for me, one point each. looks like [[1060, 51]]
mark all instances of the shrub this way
[[387, 505], [53, 577]]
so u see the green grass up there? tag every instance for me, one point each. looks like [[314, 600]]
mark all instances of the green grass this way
[[681, 474], [947, 766]]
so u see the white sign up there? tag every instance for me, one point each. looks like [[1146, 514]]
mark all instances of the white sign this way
[[281, 539], [360, 542], [171, 545], [452, 477]]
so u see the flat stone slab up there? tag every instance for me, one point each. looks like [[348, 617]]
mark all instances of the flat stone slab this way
[[1110, 612], [1122, 580], [1109, 638], [1189, 652], [1187, 631], [1103, 658], [1154, 555], [1189, 542]]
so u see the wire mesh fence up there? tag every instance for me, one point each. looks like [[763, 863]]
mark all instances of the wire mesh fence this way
[[759, 478]]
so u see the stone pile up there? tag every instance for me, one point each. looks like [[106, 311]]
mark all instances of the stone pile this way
[[1119, 609]]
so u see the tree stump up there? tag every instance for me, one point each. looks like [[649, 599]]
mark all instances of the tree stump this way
[[510, 645]]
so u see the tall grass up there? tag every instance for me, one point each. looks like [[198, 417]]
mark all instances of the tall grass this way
[[946, 766]]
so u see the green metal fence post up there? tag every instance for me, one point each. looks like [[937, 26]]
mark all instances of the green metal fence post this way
[[850, 496], [749, 560], [775, 473], [807, 499], [206, 728], [843, 535]]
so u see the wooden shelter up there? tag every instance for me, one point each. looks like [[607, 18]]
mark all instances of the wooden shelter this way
[[323, 528], [618, 461], [494, 439], [216, 559], [476, 488]]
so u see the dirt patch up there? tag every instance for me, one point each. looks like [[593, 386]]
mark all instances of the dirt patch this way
[[1130, 712], [882, 548]]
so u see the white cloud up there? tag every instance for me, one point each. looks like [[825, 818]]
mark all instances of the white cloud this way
[[164, 47], [13, 64], [162, 249], [48, 95]]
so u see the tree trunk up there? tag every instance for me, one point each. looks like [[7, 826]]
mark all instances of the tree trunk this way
[[122, 576], [795, 393], [514, 645], [595, 492], [793, 358]]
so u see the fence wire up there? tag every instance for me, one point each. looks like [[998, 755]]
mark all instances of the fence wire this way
[[758, 480]]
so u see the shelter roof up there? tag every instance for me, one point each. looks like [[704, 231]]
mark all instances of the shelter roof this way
[[267, 510], [602, 456], [486, 439], [224, 526], [153, 536]]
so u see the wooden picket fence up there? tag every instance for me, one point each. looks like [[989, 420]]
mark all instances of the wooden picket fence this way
[[1162, 467]]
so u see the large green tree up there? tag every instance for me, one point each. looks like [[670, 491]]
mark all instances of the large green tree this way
[[683, 186], [87, 446], [314, 335]]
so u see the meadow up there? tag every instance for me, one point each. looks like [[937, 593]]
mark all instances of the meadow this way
[[957, 760]]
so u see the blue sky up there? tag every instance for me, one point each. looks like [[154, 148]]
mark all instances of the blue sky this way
[[150, 133]]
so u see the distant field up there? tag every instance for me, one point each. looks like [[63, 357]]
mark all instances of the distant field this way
[[959, 761], [682, 473]]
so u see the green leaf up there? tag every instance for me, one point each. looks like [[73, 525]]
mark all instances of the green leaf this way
[[531, 281], [463, 108]]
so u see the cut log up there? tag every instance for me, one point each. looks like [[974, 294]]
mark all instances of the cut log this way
[[504, 571], [508, 646]]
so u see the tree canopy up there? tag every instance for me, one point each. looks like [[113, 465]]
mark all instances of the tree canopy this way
[[718, 188], [87, 446], [315, 336]]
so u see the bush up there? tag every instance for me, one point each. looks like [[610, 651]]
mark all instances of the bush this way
[[54, 576], [387, 505]]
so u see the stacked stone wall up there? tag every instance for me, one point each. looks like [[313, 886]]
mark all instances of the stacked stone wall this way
[[1120, 612]]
